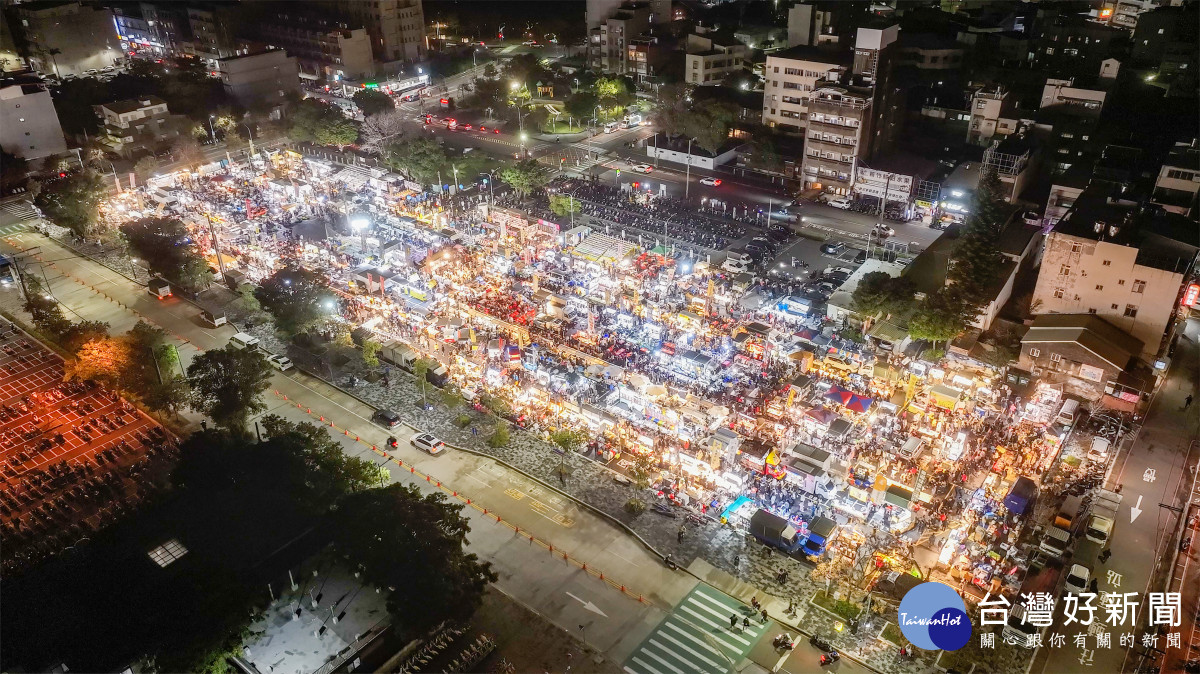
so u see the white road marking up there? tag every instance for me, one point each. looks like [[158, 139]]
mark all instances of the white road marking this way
[[685, 647]]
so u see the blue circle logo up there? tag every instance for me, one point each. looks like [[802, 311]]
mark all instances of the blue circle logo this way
[[932, 616]]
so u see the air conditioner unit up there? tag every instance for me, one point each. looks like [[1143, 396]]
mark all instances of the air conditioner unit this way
[[1035, 370]]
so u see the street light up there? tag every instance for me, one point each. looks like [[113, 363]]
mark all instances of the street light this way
[[211, 134], [249, 131], [360, 225]]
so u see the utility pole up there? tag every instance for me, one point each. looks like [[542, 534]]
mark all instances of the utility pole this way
[[687, 181], [655, 149], [216, 243]]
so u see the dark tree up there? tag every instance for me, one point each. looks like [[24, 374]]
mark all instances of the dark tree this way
[[414, 544], [295, 297], [74, 201], [166, 246], [227, 385], [373, 102]]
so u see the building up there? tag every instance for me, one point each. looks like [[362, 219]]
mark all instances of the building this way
[[811, 24], [1081, 352], [931, 52], [1014, 161], [29, 126], [609, 45], [138, 126], [323, 48], [1069, 44], [854, 114], [396, 27], [709, 59], [1106, 257], [263, 79], [135, 33], [993, 113], [1067, 120], [68, 38], [1178, 180], [791, 75], [168, 24], [1125, 13], [211, 29]]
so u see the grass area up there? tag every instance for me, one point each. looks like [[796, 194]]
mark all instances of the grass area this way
[[563, 127], [840, 607], [891, 632]]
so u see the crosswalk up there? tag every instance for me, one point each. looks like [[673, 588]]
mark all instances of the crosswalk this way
[[21, 210], [696, 637]]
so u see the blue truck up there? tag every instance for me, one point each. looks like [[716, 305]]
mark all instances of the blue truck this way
[[1022, 495], [779, 533]]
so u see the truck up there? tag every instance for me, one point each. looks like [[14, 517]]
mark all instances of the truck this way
[[399, 354], [1022, 495], [777, 532], [1021, 632], [1103, 517], [1070, 515], [159, 288]]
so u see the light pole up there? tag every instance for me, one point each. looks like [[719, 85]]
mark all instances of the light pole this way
[[687, 181], [251, 133], [360, 224], [211, 134], [523, 139]]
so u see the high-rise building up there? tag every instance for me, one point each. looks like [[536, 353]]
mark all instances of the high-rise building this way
[[324, 48], [396, 27], [791, 76], [599, 11], [68, 38], [29, 126]]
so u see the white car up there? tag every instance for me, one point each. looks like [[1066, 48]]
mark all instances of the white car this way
[[884, 230], [427, 443], [642, 168], [281, 363], [1077, 579], [841, 202], [710, 181]]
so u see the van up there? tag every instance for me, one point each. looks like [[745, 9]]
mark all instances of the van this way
[[1066, 415], [213, 319], [1056, 542], [159, 288], [611, 127], [913, 448], [243, 341], [1098, 452]]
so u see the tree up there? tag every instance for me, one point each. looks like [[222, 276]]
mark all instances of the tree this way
[[296, 297], [227, 385], [74, 202], [187, 151], [765, 154], [316, 121], [524, 177], [413, 546], [564, 204], [582, 104], [612, 93], [151, 374], [145, 167], [642, 469], [879, 293], [499, 437], [341, 132], [373, 102], [378, 131], [421, 159], [44, 309], [941, 317], [672, 108], [421, 369], [709, 125], [569, 440], [165, 244], [78, 334], [103, 359], [370, 353]]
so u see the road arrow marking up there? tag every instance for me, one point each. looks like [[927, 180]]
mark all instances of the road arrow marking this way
[[1135, 511], [588, 605]]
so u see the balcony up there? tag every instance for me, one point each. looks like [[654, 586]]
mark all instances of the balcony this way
[[831, 125], [846, 143]]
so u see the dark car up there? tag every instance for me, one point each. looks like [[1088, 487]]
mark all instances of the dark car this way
[[386, 418], [861, 257], [779, 235]]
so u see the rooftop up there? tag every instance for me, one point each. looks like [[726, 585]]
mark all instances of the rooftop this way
[[1164, 240], [836, 55], [131, 104], [1092, 332]]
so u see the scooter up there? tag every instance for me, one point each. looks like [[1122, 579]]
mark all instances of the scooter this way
[[820, 644], [830, 658], [783, 642]]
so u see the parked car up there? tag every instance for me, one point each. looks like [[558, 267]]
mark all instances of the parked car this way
[[710, 181], [840, 202], [281, 363], [427, 443], [386, 418], [833, 248], [1032, 218]]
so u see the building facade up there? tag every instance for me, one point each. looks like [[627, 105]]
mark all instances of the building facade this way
[[29, 126], [709, 61], [323, 48], [396, 27], [1081, 352], [138, 126], [1179, 180], [260, 79], [69, 39], [791, 77]]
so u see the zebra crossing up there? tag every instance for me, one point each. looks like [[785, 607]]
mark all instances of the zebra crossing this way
[[20, 210], [696, 637]]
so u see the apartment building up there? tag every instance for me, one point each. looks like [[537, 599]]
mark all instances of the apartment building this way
[[168, 24], [29, 126], [324, 48], [852, 115], [709, 59], [1178, 182], [69, 38], [259, 79], [396, 27], [138, 126], [211, 28], [812, 24], [1014, 161], [791, 77], [1125, 13], [1108, 258], [609, 46], [993, 114]]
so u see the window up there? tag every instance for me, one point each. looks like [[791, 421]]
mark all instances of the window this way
[[1121, 282], [1114, 307], [1107, 263], [981, 105], [1180, 175], [776, 70], [1054, 358], [1058, 294], [1034, 353], [168, 552], [1099, 287], [1130, 311], [1139, 287], [1064, 270], [1091, 311], [1076, 247]]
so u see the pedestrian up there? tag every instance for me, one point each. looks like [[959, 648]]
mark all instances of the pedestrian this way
[[1187, 402], [680, 534], [764, 616], [754, 602], [737, 559], [745, 623], [732, 621]]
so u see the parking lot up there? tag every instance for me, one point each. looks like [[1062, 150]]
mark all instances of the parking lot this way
[[69, 452]]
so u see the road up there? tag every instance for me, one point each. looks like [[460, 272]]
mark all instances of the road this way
[[1156, 471], [522, 527]]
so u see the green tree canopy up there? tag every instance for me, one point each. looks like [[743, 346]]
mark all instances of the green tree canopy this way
[[295, 297], [582, 104], [564, 204], [315, 121], [941, 317], [420, 159], [524, 177], [166, 247], [412, 544], [373, 101], [878, 292], [74, 202], [227, 385]]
